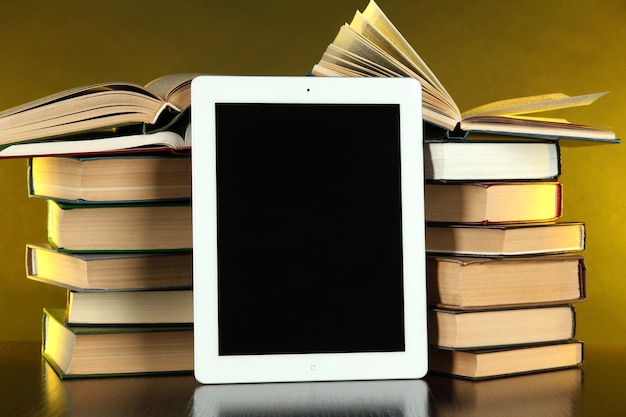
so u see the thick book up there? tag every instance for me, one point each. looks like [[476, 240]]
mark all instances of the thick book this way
[[109, 271], [489, 363], [474, 283], [111, 178], [129, 307], [371, 46], [493, 202], [505, 239], [497, 161], [119, 227], [80, 351], [100, 107], [470, 329]]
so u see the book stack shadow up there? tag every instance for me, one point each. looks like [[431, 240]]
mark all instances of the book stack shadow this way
[[120, 238], [503, 272]]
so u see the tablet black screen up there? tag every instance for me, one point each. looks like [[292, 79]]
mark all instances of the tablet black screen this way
[[309, 229]]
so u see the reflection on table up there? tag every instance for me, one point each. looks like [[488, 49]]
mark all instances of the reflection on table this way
[[29, 387]]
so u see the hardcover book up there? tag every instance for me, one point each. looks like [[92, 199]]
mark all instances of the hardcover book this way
[[495, 160], [489, 363], [505, 239], [119, 227], [507, 326], [474, 283], [147, 307], [109, 271], [110, 178], [493, 202], [81, 351]]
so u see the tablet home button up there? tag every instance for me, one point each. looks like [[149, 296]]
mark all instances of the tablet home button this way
[[313, 368]]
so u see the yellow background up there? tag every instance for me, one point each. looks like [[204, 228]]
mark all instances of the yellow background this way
[[482, 50]]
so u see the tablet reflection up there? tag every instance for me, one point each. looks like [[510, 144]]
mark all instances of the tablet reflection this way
[[328, 399]]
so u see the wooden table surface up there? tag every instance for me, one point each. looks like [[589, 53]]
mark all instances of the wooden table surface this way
[[29, 387]]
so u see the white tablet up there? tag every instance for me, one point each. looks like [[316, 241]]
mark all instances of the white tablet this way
[[308, 222]]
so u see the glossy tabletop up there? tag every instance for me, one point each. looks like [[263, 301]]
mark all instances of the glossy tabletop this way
[[29, 387]]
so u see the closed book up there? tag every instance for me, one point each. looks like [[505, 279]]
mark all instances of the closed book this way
[[79, 351], [468, 329], [129, 307], [491, 160], [109, 271], [119, 227], [505, 240], [480, 282], [494, 202], [111, 178], [488, 363]]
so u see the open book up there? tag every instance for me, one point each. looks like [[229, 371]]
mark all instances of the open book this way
[[108, 107], [164, 140], [372, 46]]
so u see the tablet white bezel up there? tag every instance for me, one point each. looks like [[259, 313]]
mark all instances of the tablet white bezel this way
[[209, 366]]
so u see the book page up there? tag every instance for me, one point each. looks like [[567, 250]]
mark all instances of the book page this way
[[375, 25], [174, 88], [350, 40], [77, 93], [355, 63], [429, 82], [532, 104], [375, 57], [535, 127]]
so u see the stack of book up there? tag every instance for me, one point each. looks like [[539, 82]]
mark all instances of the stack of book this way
[[113, 162], [120, 239], [502, 272]]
